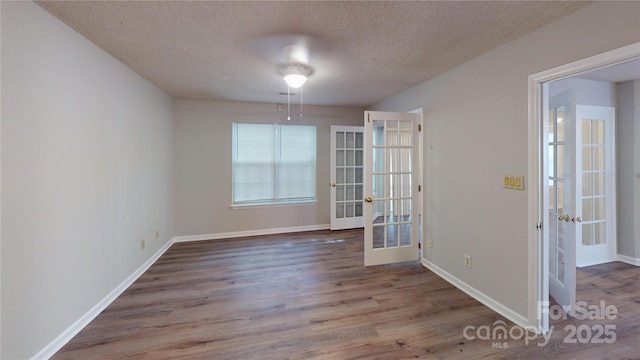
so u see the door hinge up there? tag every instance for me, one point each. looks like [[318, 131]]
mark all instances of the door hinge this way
[[539, 226], [419, 127], [368, 117], [419, 246], [419, 188]]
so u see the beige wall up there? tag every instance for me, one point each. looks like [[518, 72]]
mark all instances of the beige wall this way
[[87, 173], [628, 168], [203, 166], [476, 131]]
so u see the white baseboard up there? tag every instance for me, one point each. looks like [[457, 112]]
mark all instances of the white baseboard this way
[[236, 234], [66, 336], [629, 260], [478, 295]]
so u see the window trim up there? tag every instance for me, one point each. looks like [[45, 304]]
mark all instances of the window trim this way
[[276, 202]]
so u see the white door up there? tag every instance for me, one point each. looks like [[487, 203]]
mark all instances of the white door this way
[[392, 185], [347, 177], [595, 200], [561, 189]]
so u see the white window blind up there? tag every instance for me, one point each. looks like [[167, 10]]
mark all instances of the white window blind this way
[[273, 163]]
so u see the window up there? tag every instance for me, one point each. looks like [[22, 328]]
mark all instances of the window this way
[[273, 164]]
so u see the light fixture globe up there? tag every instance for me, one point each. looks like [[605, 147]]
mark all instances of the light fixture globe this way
[[295, 75], [295, 80]]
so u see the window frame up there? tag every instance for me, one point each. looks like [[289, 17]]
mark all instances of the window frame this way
[[277, 200]]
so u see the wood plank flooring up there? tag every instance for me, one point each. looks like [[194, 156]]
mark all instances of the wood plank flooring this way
[[308, 296]]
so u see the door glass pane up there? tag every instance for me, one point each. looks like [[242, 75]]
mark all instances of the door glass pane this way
[[359, 175], [587, 234], [359, 158], [586, 131], [598, 208], [598, 131], [350, 192], [552, 196], [339, 210], [378, 160], [560, 123], [340, 158], [586, 158], [340, 193], [599, 234], [560, 162], [339, 175], [393, 160], [359, 141], [378, 186], [405, 234], [587, 214], [378, 211], [378, 133], [405, 189], [378, 236], [350, 140], [351, 176], [405, 160], [552, 162], [598, 183], [349, 158], [405, 206], [598, 158], [586, 184], [340, 140], [349, 209], [392, 235], [358, 208], [359, 192]]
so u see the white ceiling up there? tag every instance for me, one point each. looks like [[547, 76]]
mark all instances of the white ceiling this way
[[361, 51]]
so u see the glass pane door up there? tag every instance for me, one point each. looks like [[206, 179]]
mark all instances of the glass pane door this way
[[347, 173], [391, 233], [561, 186]]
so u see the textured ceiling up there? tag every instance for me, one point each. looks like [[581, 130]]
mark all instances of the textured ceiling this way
[[361, 51]]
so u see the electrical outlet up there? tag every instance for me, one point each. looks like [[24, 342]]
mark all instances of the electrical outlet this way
[[467, 261], [430, 243], [142, 245]]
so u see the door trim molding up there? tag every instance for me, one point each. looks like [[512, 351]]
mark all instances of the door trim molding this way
[[538, 283]]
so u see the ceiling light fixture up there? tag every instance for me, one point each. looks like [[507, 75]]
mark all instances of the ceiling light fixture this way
[[295, 75], [295, 71]]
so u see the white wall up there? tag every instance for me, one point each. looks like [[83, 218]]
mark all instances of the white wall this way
[[628, 168], [203, 166], [476, 131], [87, 173]]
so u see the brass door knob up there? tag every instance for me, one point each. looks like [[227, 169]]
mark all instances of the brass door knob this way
[[576, 219], [368, 199], [565, 218], [333, 184]]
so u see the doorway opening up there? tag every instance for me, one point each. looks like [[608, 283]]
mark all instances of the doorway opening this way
[[566, 180]]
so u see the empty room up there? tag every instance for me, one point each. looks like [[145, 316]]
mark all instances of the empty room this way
[[319, 179]]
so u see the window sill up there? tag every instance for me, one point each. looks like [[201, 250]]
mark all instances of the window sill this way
[[272, 205]]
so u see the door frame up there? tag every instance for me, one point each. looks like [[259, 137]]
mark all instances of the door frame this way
[[538, 243]]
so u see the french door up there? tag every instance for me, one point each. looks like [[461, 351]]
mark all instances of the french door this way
[[595, 205], [392, 187], [347, 177], [562, 205]]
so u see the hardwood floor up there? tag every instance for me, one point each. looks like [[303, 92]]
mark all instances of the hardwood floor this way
[[308, 296]]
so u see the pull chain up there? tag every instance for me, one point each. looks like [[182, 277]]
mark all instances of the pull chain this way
[[288, 103], [301, 92]]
